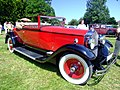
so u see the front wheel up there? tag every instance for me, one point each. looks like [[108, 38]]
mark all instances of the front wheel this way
[[75, 69], [10, 45]]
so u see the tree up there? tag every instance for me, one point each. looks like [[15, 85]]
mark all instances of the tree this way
[[112, 21], [7, 10], [11, 10], [20, 9], [73, 22], [38, 7], [97, 12]]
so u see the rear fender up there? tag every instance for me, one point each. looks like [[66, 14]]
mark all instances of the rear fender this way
[[12, 36]]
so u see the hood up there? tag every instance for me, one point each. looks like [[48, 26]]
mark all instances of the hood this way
[[64, 30]]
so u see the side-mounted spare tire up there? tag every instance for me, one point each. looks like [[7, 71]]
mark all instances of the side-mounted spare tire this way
[[75, 69]]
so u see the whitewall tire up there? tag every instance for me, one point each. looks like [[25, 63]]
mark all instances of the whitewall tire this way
[[10, 45], [75, 69]]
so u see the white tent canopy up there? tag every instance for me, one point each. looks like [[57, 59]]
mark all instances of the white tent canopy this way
[[25, 19]]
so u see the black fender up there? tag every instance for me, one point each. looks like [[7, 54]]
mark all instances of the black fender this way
[[104, 50], [12, 36], [74, 48], [108, 43]]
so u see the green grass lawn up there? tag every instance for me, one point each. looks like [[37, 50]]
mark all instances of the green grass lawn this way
[[20, 73]]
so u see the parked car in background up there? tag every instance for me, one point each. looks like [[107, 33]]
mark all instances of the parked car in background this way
[[78, 53], [111, 30], [105, 29], [71, 26]]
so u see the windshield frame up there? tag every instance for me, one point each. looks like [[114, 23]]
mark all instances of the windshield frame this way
[[51, 21]]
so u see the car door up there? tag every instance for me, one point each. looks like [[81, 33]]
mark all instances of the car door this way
[[31, 36]]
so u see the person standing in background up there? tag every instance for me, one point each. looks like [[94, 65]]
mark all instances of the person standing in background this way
[[0, 28], [9, 27], [63, 22], [117, 43], [82, 25], [5, 27]]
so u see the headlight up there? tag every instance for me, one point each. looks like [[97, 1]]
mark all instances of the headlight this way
[[90, 42], [91, 39]]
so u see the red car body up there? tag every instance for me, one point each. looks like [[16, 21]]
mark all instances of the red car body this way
[[51, 37], [77, 52]]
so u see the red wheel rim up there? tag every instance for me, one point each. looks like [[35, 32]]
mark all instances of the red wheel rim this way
[[10, 45], [74, 68]]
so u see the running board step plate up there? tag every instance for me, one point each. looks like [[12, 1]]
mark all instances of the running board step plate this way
[[29, 53]]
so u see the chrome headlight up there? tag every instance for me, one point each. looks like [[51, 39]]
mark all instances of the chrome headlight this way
[[91, 39], [91, 43]]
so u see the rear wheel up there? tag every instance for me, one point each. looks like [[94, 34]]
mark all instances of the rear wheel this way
[[110, 32], [10, 45], [75, 69]]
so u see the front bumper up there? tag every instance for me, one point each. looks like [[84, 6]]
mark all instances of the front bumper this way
[[110, 61]]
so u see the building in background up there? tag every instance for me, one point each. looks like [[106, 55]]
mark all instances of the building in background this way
[[118, 22], [49, 2]]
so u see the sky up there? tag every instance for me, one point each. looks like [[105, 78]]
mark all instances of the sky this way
[[75, 9]]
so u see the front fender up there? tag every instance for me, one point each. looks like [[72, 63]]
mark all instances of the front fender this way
[[77, 49], [108, 43], [105, 49]]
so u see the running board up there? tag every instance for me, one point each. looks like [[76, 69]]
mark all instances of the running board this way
[[31, 54]]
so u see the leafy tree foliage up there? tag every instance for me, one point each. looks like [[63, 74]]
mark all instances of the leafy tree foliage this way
[[21, 6], [73, 22], [36, 7], [112, 21], [11, 10], [97, 12], [7, 10]]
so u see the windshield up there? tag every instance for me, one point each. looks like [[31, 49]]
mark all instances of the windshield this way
[[52, 21], [109, 26]]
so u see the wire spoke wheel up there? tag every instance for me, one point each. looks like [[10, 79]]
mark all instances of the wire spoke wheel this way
[[75, 69]]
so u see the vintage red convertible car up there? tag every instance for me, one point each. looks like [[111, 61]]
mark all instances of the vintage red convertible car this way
[[78, 53]]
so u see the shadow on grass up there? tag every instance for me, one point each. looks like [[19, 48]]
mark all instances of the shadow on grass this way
[[95, 80], [54, 68], [47, 66], [118, 65], [118, 57]]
